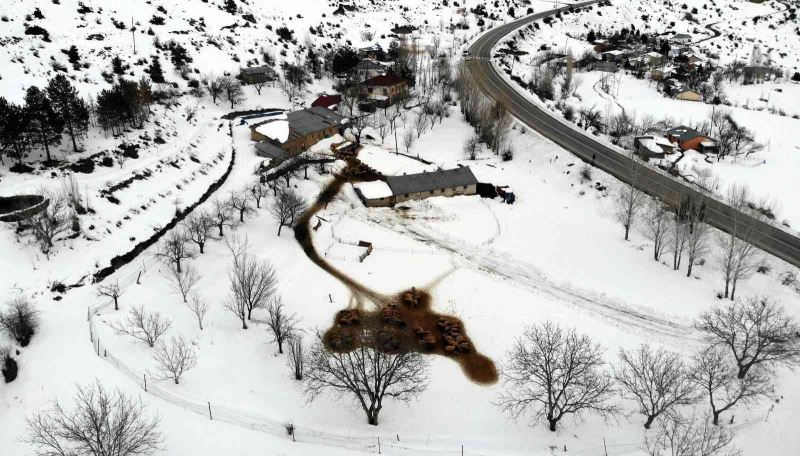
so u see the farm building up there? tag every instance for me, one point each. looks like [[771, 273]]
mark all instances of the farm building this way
[[298, 132], [257, 75], [396, 189], [652, 147], [689, 138]]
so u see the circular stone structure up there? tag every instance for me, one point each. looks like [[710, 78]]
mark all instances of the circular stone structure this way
[[21, 207]]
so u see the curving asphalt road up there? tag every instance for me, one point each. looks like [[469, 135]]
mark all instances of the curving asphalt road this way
[[718, 214]]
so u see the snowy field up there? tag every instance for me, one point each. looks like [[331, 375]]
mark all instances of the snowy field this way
[[557, 254]]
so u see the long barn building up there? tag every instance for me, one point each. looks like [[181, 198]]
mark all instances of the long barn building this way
[[396, 189]]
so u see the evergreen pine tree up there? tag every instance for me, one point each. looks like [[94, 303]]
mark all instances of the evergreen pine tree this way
[[156, 73], [230, 6], [13, 141], [44, 124], [70, 107]]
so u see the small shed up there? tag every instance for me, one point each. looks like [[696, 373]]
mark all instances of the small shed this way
[[652, 147], [256, 75]]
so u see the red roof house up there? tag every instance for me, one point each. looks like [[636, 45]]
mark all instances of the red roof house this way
[[327, 101]]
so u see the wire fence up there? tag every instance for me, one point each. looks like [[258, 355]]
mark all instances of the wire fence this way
[[380, 443]]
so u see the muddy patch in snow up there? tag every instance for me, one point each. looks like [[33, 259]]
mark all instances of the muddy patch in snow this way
[[390, 323]]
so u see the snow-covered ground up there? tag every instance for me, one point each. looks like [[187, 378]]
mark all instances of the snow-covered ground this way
[[556, 254]]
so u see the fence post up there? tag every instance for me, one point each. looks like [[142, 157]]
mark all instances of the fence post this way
[[462, 450], [379, 445], [209, 412], [144, 376], [605, 448]]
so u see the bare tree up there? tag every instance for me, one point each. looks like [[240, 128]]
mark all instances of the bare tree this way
[[197, 228], [656, 379], [175, 248], [240, 202], [174, 358], [183, 282], [552, 373], [213, 85], [715, 374], [755, 331], [280, 324], [259, 85], [678, 239], [381, 125], [238, 307], [199, 308], [112, 291], [420, 123], [221, 214], [286, 207], [297, 356], [366, 374], [688, 436], [737, 258], [657, 227], [20, 320], [232, 90], [258, 191], [696, 245], [55, 219], [471, 146], [145, 326], [629, 203], [253, 282], [409, 140], [100, 424]]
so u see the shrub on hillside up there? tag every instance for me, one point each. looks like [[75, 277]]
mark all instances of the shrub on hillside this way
[[8, 365], [20, 320]]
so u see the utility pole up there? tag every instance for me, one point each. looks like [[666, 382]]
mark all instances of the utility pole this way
[[133, 35]]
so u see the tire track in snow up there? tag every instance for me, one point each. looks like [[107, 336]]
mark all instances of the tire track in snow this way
[[523, 274]]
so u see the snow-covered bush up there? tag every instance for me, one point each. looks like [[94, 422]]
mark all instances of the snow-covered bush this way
[[20, 320]]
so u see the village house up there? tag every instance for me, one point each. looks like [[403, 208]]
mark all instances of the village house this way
[[278, 138], [385, 89], [396, 189], [681, 38], [327, 101], [615, 56], [256, 75], [691, 139], [662, 73], [369, 68], [374, 52], [652, 147], [602, 65]]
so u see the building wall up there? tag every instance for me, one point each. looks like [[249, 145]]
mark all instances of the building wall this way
[[452, 191], [254, 78], [688, 96], [693, 143]]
